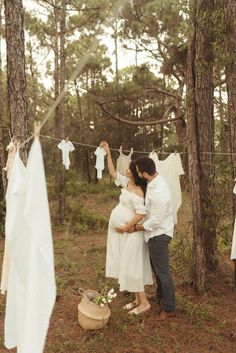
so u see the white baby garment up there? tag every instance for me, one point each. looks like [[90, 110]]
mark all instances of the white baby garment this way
[[123, 161], [153, 155], [171, 169], [233, 249], [100, 165], [66, 147]]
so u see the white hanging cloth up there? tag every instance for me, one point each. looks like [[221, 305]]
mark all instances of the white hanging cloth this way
[[14, 204], [100, 165], [123, 161], [233, 249], [11, 148], [66, 147], [31, 286], [171, 169], [17, 245]]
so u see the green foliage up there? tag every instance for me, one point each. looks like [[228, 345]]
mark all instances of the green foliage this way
[[198, 314], [80, 220]]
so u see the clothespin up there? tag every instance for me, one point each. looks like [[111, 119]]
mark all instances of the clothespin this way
[[67, 138], [37, 127], [175, 152], [17, 143]]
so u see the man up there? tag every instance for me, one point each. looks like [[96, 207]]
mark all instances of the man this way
[[158, 230]]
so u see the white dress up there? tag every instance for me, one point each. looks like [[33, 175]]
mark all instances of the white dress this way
[[127, 257]]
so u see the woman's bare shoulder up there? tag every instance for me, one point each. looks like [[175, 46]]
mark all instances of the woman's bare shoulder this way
[[139, 192]]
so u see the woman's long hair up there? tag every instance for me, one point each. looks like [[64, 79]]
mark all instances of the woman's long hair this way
[[137, 180]]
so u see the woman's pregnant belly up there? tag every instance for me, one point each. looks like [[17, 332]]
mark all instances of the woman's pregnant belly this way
[[120, 216]]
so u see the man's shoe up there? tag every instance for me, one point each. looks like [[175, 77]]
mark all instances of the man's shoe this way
[[152, 297], [164, 315]]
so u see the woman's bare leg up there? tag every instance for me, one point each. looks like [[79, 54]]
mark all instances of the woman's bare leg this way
[[137, 299], [143, 302]]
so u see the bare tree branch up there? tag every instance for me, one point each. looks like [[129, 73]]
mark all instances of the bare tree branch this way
[[158, 90], [140, 122], [76, 8]]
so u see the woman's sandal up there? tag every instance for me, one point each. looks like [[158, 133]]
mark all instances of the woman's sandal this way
[[136, 311], [130, 305]]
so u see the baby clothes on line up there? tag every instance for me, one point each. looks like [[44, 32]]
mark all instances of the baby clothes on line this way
[[153, 155], [100, 165], [233, 249], [123, 161], [66, 147], [171, 169], [11, 148]]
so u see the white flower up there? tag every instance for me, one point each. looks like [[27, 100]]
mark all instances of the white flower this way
[[114, 295], [104, 300], [101, 305], [109, 301], [111, 291]]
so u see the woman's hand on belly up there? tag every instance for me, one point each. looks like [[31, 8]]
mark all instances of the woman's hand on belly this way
[[121, 229]]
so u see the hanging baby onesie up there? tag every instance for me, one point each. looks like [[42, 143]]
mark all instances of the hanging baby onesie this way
[[123, 161], [11, 148], [153, 155], [31, 286], [171, 169], [233, 249], [66, 147], [100, 165]]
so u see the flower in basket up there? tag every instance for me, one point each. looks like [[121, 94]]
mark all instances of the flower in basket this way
[[105, 297]]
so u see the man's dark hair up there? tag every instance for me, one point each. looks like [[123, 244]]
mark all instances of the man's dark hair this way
[[146, 164]]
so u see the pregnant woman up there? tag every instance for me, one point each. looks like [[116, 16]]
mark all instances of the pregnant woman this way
[[127, 257]]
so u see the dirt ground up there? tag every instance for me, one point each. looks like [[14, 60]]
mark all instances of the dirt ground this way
[[204, 323]]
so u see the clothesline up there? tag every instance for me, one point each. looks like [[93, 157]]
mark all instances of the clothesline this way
[[116, 149], [93, 146]]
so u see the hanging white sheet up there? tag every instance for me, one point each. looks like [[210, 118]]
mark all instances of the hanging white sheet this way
[[171, 169], [31, 285]]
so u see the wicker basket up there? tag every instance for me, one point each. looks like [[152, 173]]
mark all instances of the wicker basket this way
[[92, 316]]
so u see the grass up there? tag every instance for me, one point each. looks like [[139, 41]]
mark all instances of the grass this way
[[204, 323]]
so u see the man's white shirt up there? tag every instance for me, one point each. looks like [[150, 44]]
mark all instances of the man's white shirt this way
[[159, 218]]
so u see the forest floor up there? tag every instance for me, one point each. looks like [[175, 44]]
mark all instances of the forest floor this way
[[204, 323]]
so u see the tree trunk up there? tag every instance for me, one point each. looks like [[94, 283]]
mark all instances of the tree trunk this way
[[16, 79], [59, 79], [2, 155], [82, 134], [201, 139], [34, 91], [204, 91], [230, 40]]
